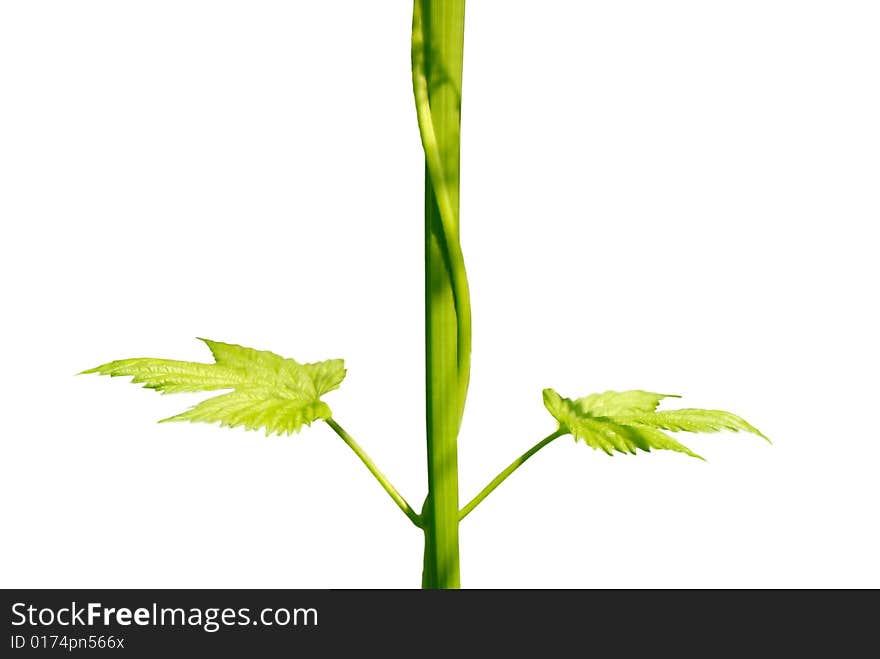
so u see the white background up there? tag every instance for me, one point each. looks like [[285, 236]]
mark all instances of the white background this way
[[676, 196]]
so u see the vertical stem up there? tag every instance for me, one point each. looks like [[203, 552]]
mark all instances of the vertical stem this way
[[438, 41]]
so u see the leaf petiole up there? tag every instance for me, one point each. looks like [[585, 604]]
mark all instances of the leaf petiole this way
[[383, 481], [486, 491]]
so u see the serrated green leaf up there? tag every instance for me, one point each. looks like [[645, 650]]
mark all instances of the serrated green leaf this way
[[270, 392], [627, 421]]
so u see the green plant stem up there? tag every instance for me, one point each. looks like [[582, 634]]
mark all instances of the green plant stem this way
[[383, 480], [437, 55], [500, 478]]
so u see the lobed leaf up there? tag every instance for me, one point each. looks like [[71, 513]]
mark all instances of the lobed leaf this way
[[627, 421], [270, 392]]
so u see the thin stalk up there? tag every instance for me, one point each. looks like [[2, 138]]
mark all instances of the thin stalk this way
[[437, 55], [383, 480], [500, 478]]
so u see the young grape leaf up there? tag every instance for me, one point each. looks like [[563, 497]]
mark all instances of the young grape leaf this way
[[269, 392], [627, 421]]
